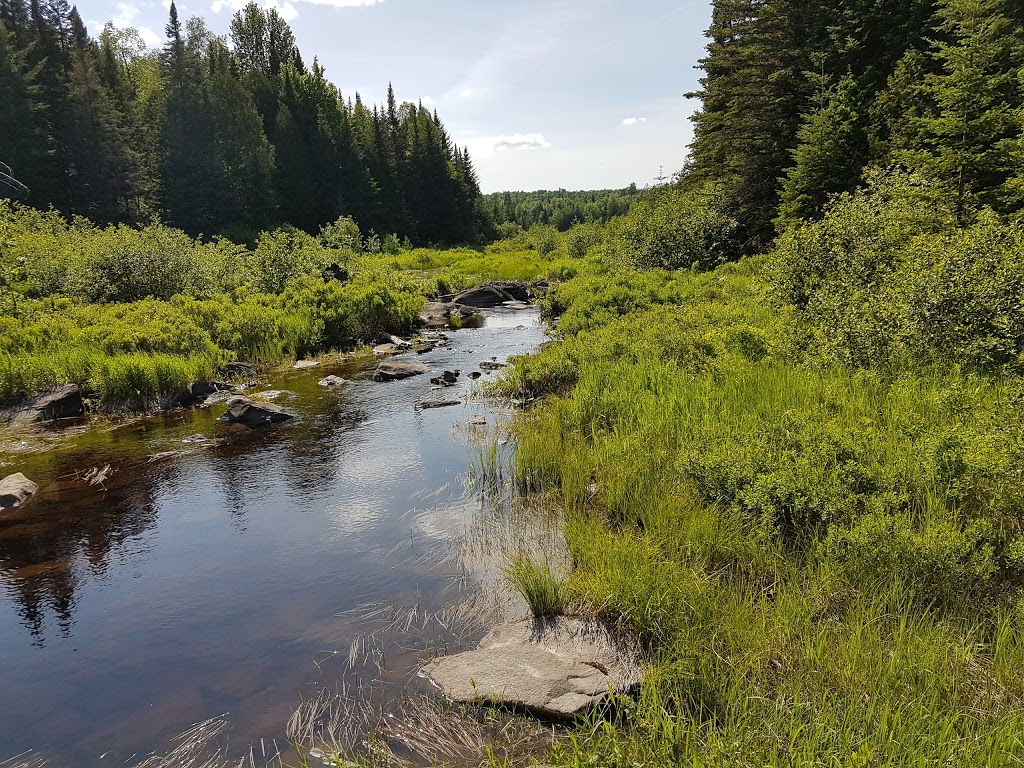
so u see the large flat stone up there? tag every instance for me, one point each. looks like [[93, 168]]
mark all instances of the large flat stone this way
[[389, 370], [554, 668]]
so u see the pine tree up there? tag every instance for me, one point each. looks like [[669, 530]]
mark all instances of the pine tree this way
[[970, 136], [23, 138], [832, 148]]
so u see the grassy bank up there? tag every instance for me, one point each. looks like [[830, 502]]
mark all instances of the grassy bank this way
[[798, 479], [135, 314]]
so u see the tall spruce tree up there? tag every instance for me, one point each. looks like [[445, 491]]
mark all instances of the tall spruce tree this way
[[970, 132]]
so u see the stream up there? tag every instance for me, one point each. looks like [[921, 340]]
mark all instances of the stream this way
[[223, 572]]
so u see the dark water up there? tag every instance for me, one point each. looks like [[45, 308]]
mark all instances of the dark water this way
[[217, 581]]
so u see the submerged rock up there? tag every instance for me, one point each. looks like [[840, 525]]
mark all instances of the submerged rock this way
[[242, 410], [490, 365], [552, 667], [15, 490], [331, 381], [389, 370], [438, 403]]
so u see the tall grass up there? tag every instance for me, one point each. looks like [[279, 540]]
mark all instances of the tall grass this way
[[823, 562], [545, 592]]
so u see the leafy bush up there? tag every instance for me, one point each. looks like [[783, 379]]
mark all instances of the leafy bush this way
[[675, 229], [941, 560], [886, 278]]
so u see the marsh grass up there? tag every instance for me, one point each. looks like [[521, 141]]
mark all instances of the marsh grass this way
[[545, 592], [821, 562]]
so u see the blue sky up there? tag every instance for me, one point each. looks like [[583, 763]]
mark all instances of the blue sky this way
[[580, 94]]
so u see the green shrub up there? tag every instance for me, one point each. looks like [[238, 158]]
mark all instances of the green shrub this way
[[887, 279], [941, 560], [675, 229]]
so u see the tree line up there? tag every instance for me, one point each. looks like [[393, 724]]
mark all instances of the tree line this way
[[218, 135], [560, 208], [799, 98]]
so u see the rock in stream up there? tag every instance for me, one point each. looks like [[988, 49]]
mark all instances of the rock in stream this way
[[552, 667], [15, 490], [242, 410]]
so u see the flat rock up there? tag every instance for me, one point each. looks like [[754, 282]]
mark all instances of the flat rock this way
[[331, 381], [59, 403], [385, 349], [555, 667], [493, 294], [242, 410], [490, 365], [303, 364], [438, 403], [389, 370], [15, 490]]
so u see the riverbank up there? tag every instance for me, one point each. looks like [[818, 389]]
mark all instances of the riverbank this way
[[823, 562], [134, 316]]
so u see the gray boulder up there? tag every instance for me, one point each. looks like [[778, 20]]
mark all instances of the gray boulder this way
[[389, 370], [554, 668], [242, 410], [303, 364], [15, 490], [60, 403], [490, 365], [331, 381], [493, 295], [437, 403]]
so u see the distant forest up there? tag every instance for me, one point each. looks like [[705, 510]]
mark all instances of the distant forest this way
[[561, 209], [218, 136]]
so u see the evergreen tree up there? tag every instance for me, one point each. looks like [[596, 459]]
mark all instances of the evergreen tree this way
[[832, 148], [971, 135], [23, 138]]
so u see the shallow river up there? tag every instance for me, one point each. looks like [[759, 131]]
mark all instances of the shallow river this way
[[232, 577]]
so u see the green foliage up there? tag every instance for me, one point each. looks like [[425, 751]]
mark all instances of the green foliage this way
[[675, 229], [831, 150], [560, 209], [886, 278], [136, 314], [823, 560], [219, 140], [545, 592], [942, 560]]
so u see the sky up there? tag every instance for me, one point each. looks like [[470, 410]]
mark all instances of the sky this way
[[570, 94]]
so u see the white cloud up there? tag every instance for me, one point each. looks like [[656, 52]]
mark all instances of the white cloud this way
[[634, 120], [149, 37], [466, 93], [487, 146], [126, 13], [522, 141], [283, 7]]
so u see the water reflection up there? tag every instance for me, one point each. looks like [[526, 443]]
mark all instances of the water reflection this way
[[203, 577]]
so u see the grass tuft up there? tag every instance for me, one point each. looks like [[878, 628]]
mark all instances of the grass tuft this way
[[546, 593]]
